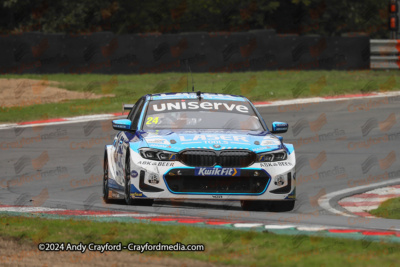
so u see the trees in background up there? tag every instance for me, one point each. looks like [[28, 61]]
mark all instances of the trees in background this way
[[325, 17]]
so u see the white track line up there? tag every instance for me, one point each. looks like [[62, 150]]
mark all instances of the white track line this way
[[386, 191], [317, 100], [28, 209], [324, 200], [67, 121], [312, 228], [360, 199], [247, 225], [279, 227], [360, 208]]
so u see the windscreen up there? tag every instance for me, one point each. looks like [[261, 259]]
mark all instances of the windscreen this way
[[201, 114]]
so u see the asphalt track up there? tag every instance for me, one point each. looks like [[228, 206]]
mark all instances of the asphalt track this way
[[60, 166]]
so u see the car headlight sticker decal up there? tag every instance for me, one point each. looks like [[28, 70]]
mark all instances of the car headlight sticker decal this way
[[156, 154], [272, 156]]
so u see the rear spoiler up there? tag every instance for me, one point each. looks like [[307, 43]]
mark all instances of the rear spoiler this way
[[128, 106]]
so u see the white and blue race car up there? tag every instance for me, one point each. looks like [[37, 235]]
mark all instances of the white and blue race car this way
[[199, 146]]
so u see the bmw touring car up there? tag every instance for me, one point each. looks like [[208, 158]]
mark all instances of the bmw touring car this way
[[200, 146]]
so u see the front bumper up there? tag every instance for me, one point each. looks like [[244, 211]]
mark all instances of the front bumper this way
[[228, 181], [174, 180]]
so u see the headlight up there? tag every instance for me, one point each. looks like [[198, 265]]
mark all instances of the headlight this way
[[156, 154], [272, 156]]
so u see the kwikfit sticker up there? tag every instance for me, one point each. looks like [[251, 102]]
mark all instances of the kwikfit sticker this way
[[217, 172]]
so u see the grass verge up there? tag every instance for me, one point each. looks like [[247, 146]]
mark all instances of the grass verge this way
[[257, 86], [388, 209], [222, 246]]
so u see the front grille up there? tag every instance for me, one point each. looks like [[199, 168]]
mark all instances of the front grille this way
[[210, 158], [187, 182], [198, 158], [237, 158]]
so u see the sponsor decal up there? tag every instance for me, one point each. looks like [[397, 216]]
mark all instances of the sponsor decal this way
[[269, 142], [262, 158], [216, 196], [136, 194], [122, 126], [217, 172], [292, 195], [157, 141], [146, 163], [223, 106], [153, 179], [161, 145], [281, 128], [112, 194], [211, 131], [263, 148], [276, 164], [209, 137], [134, 174], [156, 163], [165, 164]]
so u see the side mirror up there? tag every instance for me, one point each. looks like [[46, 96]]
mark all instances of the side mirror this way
[[122, 125], [279, 127]]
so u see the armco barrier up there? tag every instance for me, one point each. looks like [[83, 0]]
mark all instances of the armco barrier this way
[[385, 54], [105, 52]]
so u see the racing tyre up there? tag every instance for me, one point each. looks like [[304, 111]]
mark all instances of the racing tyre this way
[[252, 205], [105, 181], [128, 199], [281, 206]]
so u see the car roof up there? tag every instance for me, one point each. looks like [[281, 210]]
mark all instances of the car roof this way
[[193, 95]]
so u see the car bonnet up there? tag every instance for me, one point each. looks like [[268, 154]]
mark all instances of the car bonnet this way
[[207, 139]]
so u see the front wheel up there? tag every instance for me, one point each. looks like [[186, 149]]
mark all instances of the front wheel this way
[[128, 198], [105, 181]]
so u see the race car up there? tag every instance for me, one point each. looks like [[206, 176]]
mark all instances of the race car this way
[[202, 146]]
